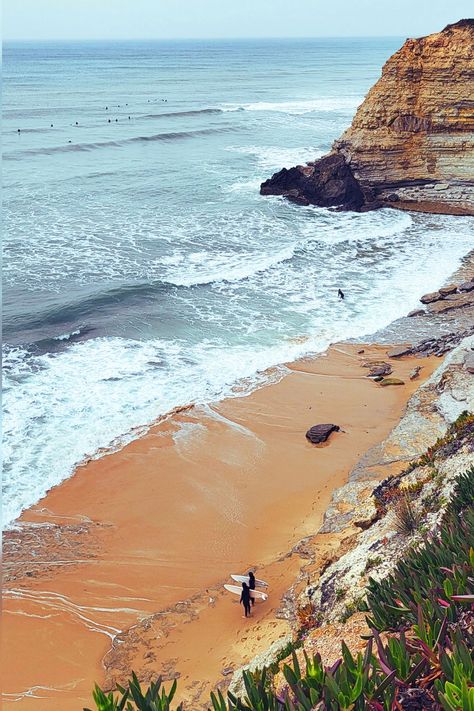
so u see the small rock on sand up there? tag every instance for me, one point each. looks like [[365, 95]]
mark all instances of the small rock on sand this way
[[319, 433], [381, 369], [391, 381], [415, 372]]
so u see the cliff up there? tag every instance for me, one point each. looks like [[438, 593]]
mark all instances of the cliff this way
[[411, 143]]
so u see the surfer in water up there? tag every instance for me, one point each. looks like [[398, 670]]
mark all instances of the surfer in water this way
[[252, 585], [340, 294], [245, 599]]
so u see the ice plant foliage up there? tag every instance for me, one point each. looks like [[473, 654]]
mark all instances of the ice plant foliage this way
[[424, 660]]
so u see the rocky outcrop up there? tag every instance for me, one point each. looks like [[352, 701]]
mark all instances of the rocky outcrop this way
[[454, 296], [411, 143], [328, 181], [432, 409]]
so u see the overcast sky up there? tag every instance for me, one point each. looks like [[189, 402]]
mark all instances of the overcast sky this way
[[110, 19]]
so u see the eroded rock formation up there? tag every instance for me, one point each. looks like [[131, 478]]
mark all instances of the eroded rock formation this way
[[411, 143]]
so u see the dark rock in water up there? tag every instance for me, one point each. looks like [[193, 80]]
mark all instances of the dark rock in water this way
[[417, 312], [319, 433], [328, 182], [380, 370], [429, 298], [295, 196], [467, 286], [391, 381], [399, 352]]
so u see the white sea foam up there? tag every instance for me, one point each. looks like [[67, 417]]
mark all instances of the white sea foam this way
[[62, 408], [346, 104], [96, 255], [202, 268], [274, 157], [67, 336], [65, 408]]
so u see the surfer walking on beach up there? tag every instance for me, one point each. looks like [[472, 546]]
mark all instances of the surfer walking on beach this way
[[252, 585], [245, 599]]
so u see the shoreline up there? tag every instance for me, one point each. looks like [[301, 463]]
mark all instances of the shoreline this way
[[396, 331], [111, 578]]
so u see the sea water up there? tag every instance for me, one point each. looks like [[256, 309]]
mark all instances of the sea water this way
[[143, 270]]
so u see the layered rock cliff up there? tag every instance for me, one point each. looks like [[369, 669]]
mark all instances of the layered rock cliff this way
[[411, 143]]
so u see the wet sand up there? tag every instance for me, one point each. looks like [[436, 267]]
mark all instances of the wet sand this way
[[135, 539]]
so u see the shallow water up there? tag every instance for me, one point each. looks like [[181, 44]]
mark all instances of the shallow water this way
[[142, 268]]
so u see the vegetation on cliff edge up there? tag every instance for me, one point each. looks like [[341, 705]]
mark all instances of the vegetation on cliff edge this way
[[419, 655]]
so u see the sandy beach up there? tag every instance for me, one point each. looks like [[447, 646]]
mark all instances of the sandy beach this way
[[121, 566]]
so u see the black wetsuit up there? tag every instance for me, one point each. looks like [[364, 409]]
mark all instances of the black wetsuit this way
[[245, 600], [252, 587]]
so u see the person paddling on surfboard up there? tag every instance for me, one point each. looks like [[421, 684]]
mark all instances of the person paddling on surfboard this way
[[252, 585], [245, 599]]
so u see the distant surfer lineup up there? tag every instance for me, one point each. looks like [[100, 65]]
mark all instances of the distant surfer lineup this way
[[247, 591]]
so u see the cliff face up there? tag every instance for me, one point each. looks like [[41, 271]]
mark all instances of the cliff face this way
[[411, 143]]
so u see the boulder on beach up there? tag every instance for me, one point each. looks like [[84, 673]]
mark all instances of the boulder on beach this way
[[391, 381], [381, 369], [320, 433]]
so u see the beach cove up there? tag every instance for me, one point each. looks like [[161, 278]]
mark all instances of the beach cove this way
[[151, 532]]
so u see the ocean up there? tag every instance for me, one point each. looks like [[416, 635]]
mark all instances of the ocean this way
[[143, 270]]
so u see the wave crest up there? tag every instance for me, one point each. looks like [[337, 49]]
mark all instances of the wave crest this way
[[85, 147]]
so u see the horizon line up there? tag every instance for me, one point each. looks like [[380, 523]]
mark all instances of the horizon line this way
[[206, 39]]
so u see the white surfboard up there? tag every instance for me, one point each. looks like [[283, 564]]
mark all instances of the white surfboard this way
[[237, 590], [245, 579]]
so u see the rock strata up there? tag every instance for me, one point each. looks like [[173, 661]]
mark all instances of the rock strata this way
[[434, 346], [411, 143]]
